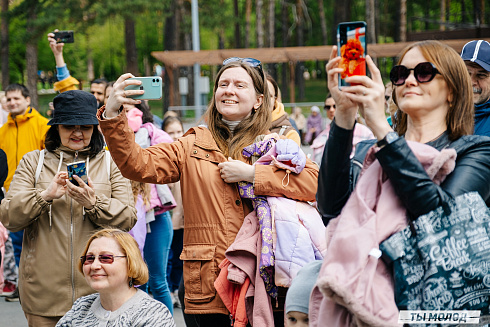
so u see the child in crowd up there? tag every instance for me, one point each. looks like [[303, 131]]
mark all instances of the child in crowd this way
[[298, 296], [174, 127], [314, 125]]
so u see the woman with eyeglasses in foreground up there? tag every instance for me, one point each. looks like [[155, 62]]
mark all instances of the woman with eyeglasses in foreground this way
[[209, 162], [58, 216], [433, 93], [112, 265]]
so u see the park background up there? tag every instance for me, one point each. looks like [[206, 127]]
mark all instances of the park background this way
[[117, 36]]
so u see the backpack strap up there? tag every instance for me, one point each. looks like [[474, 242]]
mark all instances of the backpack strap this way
[[283, 129], [40, 163]]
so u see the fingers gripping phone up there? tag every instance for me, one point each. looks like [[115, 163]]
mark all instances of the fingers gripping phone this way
[[64, 37], [79, 169], [152, 86], [351, 46]]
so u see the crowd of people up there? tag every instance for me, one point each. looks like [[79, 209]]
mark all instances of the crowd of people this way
[[231, 220]]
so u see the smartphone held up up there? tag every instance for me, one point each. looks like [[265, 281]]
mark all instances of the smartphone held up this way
[[64, 37], [152, 85], [351, 47]]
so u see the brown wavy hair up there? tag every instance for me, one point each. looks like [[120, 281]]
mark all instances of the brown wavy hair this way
[[460, 116], [232, 144]]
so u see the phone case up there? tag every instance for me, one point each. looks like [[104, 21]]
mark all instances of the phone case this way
[[79, 169], [64, 37], [151, 85], [351, 46]]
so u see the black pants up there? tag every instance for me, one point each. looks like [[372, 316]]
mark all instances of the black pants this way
[[202, 320], [211, 320]]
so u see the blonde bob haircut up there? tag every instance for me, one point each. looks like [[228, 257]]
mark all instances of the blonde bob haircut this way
[[137, 269], [460, 116], [257, 123]]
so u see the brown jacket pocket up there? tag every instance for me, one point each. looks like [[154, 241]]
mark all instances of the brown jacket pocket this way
[[199, 272]]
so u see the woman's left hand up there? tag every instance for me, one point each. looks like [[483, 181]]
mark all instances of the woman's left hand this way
[[369, 94], [234, 171], [83, 194]]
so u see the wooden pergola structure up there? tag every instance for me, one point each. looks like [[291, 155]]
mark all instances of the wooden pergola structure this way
[[290, 55]]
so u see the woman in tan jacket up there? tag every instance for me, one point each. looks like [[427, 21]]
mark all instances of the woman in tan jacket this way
[[58, 217], [209, 162]]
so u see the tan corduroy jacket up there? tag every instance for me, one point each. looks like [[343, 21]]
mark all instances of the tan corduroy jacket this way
[[49, 281], [214, 211]]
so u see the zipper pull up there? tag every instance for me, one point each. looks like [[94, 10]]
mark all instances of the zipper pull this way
[[76, 156], [232, 322]]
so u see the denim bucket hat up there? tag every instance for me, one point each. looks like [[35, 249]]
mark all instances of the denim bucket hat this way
[[74, 108]]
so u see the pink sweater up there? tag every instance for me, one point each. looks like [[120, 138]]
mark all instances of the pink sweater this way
[[356, 286]]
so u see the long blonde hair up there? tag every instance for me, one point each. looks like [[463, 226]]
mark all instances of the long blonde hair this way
[[259, 121]]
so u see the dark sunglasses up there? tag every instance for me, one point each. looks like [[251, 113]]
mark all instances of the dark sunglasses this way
[[327, 106], [423, 72], [103, 258], [252, 62]]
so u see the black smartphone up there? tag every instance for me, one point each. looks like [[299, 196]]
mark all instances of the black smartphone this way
[[64, 37], [351, 46], [79, 169]]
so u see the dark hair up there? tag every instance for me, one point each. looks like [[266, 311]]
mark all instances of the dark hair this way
[[274, 84], [460, 116], [18, 87], [99, 81], [170, 120], [53, 141], [145, 109]]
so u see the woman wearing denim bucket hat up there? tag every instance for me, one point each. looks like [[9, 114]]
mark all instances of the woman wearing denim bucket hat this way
[[58, 216], [209, 163]]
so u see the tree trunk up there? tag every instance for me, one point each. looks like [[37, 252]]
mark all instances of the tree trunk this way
[[31, 52], [169, 45], [248, 14], [403, 21], [4, 40], [323, 22], [341, 13], [371, 21], [271, 33], [259, 23], [442, 16], [285, 67], [301, 42], [271, 23], [131, 51], [236, 13], [90, 60]]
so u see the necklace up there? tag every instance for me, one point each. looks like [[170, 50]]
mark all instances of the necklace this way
[[438, 136]]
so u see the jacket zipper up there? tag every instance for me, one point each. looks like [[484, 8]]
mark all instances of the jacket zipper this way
[[16, 142], [71, 244]]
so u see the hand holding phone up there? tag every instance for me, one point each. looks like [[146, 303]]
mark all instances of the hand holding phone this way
[[79, 169], [64, 37], [351, 47], [152, 86]]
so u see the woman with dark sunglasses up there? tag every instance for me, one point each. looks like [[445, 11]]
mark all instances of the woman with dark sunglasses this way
[[112, 266], [432, 91], [209, 162]]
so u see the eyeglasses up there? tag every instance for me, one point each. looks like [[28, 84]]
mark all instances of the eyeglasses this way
[[103, 258], [423, 72], [252, 62], [327, 106]]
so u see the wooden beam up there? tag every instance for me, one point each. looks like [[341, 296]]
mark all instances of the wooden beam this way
[[177, 59]]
